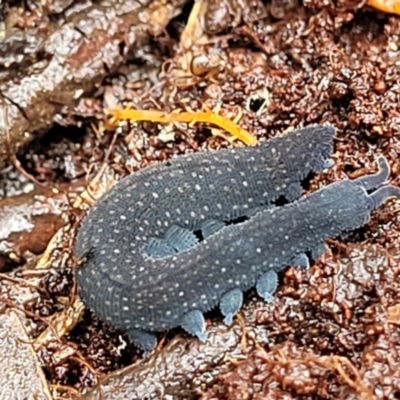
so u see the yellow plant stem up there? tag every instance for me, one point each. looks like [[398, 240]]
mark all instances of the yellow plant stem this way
[[388, 6], [194, 117]]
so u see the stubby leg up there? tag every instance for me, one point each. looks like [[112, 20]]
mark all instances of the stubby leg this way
[[317, 251], [293, 191], [159, 248], [327, 163], [180, 238], [267, 284], [301, 260], [145, 341], [194, 324], [230, 304], [210, 227]]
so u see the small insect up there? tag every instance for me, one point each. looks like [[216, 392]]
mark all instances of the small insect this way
[[206, 65]]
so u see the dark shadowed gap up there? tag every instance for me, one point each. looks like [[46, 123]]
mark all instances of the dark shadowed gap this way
[[177, 24], [55, 156]]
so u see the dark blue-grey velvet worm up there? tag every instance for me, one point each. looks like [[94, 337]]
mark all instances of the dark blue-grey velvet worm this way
[[166, 244]]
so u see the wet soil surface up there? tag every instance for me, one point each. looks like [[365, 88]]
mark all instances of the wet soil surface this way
[[332, 332]]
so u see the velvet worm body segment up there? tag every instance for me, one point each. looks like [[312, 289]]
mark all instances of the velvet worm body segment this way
[[143, 268]]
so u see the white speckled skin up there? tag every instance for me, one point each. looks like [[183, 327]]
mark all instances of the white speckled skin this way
[[131, 290]]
